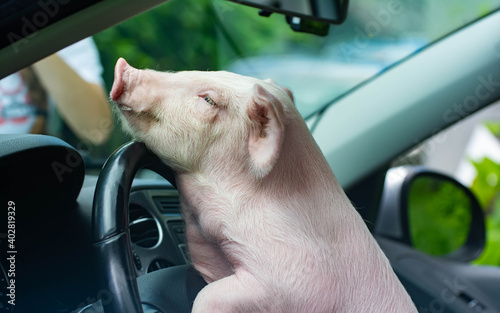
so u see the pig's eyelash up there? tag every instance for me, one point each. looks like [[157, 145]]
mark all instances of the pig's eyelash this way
[[209, 100]]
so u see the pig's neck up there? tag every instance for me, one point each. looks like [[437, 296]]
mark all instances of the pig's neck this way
[[301, 177], [301, 166]]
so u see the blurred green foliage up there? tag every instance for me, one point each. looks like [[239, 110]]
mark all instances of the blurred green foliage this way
[[494, 127], [486, 187], [439, 215]]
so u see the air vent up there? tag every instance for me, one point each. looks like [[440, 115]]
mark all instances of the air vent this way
[[158, 265], [168, 205], [143, 228]]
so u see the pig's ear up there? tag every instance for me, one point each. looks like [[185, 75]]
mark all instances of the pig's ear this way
[[266, 134], [288, 91]]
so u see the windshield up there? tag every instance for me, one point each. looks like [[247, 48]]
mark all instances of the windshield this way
[[214, 35]]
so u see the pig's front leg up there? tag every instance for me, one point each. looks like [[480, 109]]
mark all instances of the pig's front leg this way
[[206, 256], [238, 293]]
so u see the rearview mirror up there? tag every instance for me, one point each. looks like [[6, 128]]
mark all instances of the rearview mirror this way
[[311, 16], [327, 11], [435, 213]]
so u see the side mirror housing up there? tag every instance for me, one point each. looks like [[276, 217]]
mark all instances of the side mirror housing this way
[[432, 212]]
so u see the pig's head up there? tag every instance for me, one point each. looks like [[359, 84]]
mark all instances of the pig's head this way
[[201, 120]]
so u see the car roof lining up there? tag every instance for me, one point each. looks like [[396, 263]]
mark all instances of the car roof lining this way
[[22, 18], [98, 16]]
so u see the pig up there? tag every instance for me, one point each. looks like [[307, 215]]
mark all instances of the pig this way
[[268, 225]]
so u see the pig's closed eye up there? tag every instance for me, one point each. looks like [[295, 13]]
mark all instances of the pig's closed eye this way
[[209, 100]]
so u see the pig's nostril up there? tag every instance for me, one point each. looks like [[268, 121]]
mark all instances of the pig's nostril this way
[[118, 84], [125, 108]]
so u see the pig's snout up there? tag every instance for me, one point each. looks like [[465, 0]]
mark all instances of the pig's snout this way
[[118, 84], [129, 88]]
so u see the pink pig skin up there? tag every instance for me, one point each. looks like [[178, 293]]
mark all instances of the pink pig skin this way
[[268, 226]]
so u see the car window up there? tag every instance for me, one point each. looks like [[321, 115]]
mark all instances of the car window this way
[[469, 151], [213, 35], [221, 35]]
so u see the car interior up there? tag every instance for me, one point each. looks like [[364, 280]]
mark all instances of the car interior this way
[[113, 241]]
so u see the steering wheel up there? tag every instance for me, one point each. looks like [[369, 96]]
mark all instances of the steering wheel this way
[[169, 290]]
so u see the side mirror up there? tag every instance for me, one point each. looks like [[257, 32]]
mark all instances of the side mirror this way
[[432, 212]]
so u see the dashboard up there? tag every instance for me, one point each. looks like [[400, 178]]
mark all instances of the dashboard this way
[[58, 269], [156, 229]]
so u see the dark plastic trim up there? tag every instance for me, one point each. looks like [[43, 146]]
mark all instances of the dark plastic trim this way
[[40, 170], [341, 10]]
